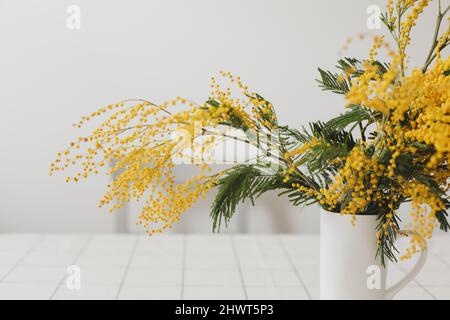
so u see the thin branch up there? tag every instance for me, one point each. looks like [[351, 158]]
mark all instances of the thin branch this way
[[431, 55]]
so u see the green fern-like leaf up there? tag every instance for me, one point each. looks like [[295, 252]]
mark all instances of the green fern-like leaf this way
[[356, 115], [330, 144], [333, 82], [356, 67], [442, 217], [351, 67], [239, 184]]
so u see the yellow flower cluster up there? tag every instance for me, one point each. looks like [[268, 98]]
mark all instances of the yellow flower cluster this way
[[406, 27], [410, 142], [416, 114], [293, 158], [139, 140], [425, 204], [359, 177]]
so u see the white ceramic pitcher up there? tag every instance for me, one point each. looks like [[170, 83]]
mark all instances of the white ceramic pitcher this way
[[348, 264]]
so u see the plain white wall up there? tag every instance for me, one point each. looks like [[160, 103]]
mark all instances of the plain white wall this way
[[156, 49]]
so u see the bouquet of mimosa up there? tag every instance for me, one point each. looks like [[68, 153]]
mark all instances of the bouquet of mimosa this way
[[390, 146]]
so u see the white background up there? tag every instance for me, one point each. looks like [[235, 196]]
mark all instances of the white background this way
[[50, 76]]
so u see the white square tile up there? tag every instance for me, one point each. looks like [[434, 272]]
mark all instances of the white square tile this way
[[306, 260], [445, 255], [90, 292], [49, 259], [247, 247], [303, 243], [262, 293], [57, 244], [292, 293], [116, 239], [206, 239], [299, 238], [116, 244], [10, 258], [216, 277], [434, 262], [434, 278], [102, 276], [150, 293], [243, 239], [165, 245], [278, 261], [161, 240], [257, 277], [440, 293], [157, 277], [252, 261], [310, 277], [255, 261], [267, 240], [158, 250], [103, 260], [413, 293], [277, 293], [17, 243], [201, 261], [271, 249], [285, 278], [25, 291], [108, 249], [248, 254], [314, 292], [260, 277], [213, 293], [300, 249], [209, 248], [211, 245], [441, 250], [446, 258], [162, 260], [442, 240], [29, 274], [4, 271]]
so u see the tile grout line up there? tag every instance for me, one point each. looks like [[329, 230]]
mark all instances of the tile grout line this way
[[82, 250], [286, 253], [266, 267], [18, 262], [260, 253], [183, 265], [423, 287], [444, 262], [238, 262], [100, 284], [441, 259], [127, 268]]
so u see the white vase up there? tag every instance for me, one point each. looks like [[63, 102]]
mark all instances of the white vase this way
[[349, 269]]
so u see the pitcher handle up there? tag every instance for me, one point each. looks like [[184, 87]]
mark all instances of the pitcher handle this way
[[392, 291]]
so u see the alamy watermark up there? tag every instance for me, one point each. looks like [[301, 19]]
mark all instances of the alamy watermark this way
[[374, 279], [201, 145], [73, 20], [374, 19], [73, 281]]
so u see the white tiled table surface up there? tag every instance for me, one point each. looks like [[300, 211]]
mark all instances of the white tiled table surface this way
[[186, 267]]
